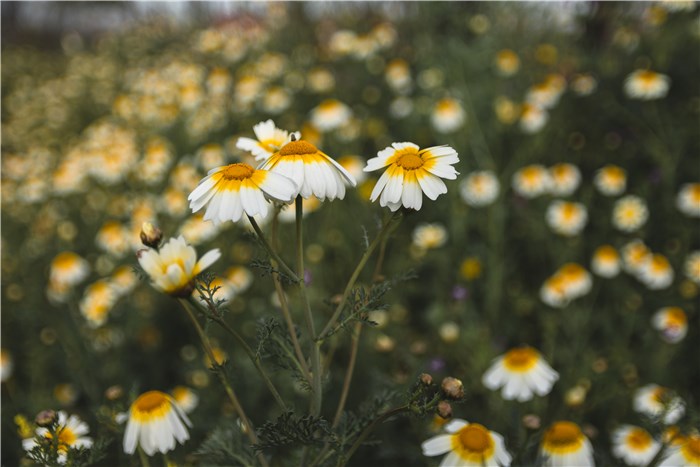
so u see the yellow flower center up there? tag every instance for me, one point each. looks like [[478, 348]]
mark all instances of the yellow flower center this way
[[569, 211], [659, 395], [572, 272], [638, 439], [150, 402], [521, 359], [65, 260], [66, 438], [695, 193], [475, 438], [298, 148], [648, 77], [562, 436], [409, 161], [606, 253], [613, 174], [691, 449], [675, 316], [238, 171]]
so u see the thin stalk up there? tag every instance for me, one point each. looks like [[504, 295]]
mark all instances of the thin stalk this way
[[348, 374], [366, 432], [143, 458], [316, 396], [272, 252], [229, 390]]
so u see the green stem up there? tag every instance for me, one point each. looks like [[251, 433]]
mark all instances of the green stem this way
[[229, 390], [143, 458], [316, 396], [348, 374], [272, 252]]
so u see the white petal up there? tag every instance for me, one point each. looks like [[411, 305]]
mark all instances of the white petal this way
[[207, 260], [431, 185], [437, 445]]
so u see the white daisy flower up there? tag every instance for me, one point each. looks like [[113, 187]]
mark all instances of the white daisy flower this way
[[313, 172], [571, 281], [647, 85], [479, 188], [429, 236], [656, 273], [447, 116], [610, 180], [584, 84], [411, 172], [688, 200], [532, 181], [521, 372], [173, 268], [71, 434], [507, 62], [672, 323], [629, 213], [237, 189], [634, 445], [7, 365], [686, 453], [565, 179], [185, 397], [659, 402], [565, 445], [97, 302], [270, 139], [468, 445], [692, 267], [68, 269], [635, 255], [566, 218], [155, 422], [606, 261], [330, 114], [533, 118]]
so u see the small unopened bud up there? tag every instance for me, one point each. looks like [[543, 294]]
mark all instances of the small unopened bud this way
[[46, 418], [444, 409], [453, 388], [114, 392], [426, 379], [150, 235], [532, 422]]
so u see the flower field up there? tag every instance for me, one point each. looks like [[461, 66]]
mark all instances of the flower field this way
[[329, 234]]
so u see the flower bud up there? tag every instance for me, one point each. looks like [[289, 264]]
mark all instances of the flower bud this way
[[46, 418], [532, 422], [114, 392], [151, 235], [444, 409], [453, 388], [426, 379]]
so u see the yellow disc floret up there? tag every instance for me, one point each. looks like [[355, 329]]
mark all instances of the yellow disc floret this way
[[520, 359], [473, 443], [562, 438]]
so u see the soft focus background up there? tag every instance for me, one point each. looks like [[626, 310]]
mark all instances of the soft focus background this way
[[112, 112]]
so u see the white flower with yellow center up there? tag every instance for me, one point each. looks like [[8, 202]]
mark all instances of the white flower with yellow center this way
[[584, 84], [185, 398], [647, 85], [659, 402], [330, 114], [565, 179], [68, 269], [532, 118], [564, 445], [7, 364], [566, 218], [532, 181], [398, 75], [71, 434], [429, 236], [468, 445], [635, 255], [634, 445], [507, 62], [173, 268], [113, 238], [479, 188], [411, 172], [155, 422], [313, 172], [606, 261], [629, 213], [269, 140], [685, 453], [123, 280], [656, 273], [447, 116], [688, 200], [571, 281], [692, 267], [543, 95], [672, 323], [97, 302], [610, 180], [521, 372], [237, 189]]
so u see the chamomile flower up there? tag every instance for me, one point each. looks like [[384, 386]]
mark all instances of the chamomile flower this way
[[672, 323], [237, 189], [543, 95], [685, 453], [610, 180], [269, 140], [584, 84], [97, 302], [565, 179], [330, 114], [533, 118], [646, 85], [71, 434], [468, 444], [635, 255], [398, 75], [656, 273], [429, 236], [566, 218], [692, 266], [521, 372], [447, 116], [606, 261], [7, 365], [68, 269], [629, 213], [688, 200], [185, 397], [659, 402], [532, 181], [571, 281], [240, 278], [564, 445], [507, 62], [155, 422], [634, 445], [173, 268], [313, 172], [479, 188], [411, 172], [113, 238]]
